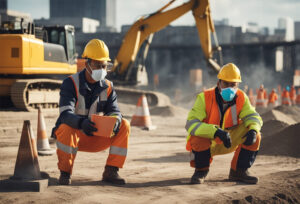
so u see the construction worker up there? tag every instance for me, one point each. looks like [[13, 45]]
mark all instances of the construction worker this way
[[293, 95], [273, 97], [82, 94], [221, 121], [285, 96], [261, 97]]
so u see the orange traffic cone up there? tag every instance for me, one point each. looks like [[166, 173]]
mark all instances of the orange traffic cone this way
[[285, 98], [43, 146], [27, 175], [260, 98], [251, 97], [141, 117], [27, 164]]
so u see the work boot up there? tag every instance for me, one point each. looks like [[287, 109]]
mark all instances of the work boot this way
[[111, 175], [65, 178], [242, 175], [199, 176]]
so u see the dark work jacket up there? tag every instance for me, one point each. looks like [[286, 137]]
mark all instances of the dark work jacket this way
[[90, 92]]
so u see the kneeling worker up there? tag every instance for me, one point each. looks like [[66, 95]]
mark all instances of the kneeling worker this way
[[221, 121], [81, 95]]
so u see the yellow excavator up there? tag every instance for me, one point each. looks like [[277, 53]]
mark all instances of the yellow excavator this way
[[33, 61]]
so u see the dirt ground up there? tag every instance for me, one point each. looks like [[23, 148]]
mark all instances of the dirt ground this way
[[156, 170]]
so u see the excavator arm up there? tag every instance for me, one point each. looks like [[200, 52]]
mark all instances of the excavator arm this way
[[148, 25]]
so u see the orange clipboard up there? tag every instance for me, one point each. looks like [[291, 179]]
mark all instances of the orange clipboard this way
[[104, 124]]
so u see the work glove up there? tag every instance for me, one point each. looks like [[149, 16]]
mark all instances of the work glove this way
[[224, 136], [88, 127], [117, 127], [250, 137]]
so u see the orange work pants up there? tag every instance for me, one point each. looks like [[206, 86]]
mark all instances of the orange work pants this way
[[204, 149], [71, 140]]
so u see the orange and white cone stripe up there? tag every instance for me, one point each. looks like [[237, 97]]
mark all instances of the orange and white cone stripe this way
[[142, 118], [27, 164], [43, 146]]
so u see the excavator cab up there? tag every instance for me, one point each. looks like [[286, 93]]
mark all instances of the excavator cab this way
[[64, 36]]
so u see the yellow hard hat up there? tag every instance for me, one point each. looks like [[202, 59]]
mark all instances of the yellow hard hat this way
[[96, 50], [230, 73]]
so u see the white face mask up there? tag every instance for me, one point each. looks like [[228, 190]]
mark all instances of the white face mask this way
[[98, 74]]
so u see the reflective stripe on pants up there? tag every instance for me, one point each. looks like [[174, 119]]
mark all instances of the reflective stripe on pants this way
[[70, 139], [244, 160]]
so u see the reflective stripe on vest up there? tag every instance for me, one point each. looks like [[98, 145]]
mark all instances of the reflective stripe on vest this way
[[213, 114], [80, 105]]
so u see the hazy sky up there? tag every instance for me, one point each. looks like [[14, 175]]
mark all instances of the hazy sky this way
[[264, 12]]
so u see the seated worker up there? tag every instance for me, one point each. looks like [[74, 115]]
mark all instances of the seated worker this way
[[81, 95], [221, 121]]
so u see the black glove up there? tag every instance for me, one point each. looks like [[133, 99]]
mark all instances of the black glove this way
[[224, 136], [117, 127], [250, 137], [88, 127]]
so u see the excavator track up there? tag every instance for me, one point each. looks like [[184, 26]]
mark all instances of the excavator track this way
[[29, 94]]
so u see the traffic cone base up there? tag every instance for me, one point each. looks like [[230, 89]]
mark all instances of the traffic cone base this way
[[43, 146]]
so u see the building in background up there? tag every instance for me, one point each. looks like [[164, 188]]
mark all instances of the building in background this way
[[297, 30], [84, 25], [103, 11], [10, 15], [286, 28]]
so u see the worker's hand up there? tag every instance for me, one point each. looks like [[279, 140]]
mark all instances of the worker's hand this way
[[250, 137], [224, 136], [88, 127], [117, 127]]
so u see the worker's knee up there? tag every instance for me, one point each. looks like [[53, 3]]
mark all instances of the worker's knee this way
[[63, 130], [200, 144], [125, 126], [256, 145]]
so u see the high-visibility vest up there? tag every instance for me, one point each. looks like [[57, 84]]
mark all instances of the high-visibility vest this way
[[230, 119], [285, 98], [272, 98], [80, 108]]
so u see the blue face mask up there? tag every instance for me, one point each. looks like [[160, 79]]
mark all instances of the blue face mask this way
[[228, 94]]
